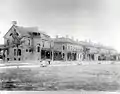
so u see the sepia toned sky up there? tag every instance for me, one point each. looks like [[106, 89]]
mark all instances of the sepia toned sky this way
[[95, 20]]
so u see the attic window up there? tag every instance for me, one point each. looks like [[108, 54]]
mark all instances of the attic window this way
[[36, 34]]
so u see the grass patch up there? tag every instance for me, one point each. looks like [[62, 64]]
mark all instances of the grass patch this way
[[62, 78]]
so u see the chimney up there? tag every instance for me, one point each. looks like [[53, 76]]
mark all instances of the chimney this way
[[67, 36], [77, 40], [14, 22], [72, 38], [56, 36]]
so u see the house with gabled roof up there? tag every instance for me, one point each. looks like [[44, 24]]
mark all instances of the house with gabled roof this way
[[27, 43]]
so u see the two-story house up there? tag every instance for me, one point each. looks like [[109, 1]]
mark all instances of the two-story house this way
[[27, 43], [67, 49]]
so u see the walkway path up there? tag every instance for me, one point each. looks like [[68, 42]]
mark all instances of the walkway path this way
[[54, 63]]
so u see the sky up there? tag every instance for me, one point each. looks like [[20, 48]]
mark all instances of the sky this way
[[95, 20]]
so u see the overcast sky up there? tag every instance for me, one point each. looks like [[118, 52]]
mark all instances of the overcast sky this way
[[97, 20]]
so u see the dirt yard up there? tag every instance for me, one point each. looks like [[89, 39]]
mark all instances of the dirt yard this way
[[101, 77]]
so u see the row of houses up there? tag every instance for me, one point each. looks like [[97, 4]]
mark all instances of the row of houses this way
[[28, 43]]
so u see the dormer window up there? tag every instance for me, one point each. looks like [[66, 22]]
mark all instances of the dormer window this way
[[34, 33]]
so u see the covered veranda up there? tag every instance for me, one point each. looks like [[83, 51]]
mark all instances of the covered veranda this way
[[58, 55], [71, 56], [46, 54]]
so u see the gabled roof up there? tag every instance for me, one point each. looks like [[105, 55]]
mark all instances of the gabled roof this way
[[9, 30], [24, 31]]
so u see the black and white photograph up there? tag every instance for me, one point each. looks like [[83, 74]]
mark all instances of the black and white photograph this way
[[60, 46]]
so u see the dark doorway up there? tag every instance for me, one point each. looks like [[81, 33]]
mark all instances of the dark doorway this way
[[57, 55], [46, 54]]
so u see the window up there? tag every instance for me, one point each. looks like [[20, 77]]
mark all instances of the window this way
[[14, 52], [26, 50], [36, 34], [19, 59], [14, 58], [38, 49], [28, 41], [8, 42], [63, 47], [17, 34], [19, 52], [10, 34]]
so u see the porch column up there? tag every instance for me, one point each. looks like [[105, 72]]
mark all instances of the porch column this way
[[4, 55], [40, 54], [66, 56], [52, 55], [45, 55], [96, 57]]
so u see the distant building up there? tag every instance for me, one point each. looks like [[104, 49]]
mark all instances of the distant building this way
[[67, 49], [98, 52]]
